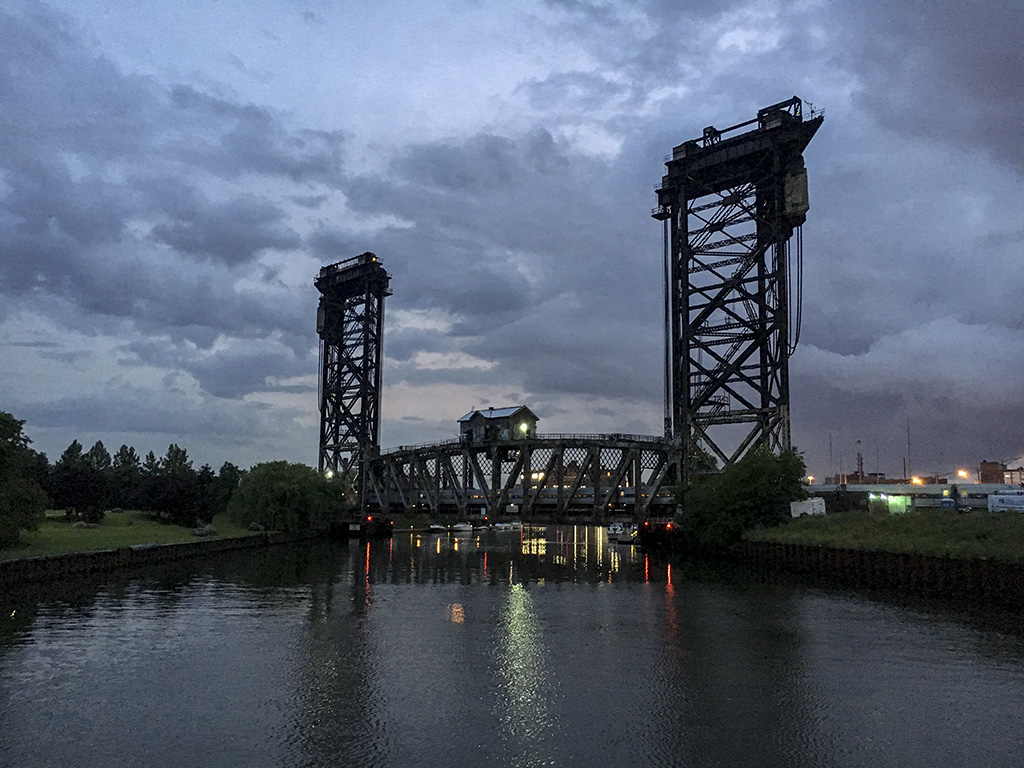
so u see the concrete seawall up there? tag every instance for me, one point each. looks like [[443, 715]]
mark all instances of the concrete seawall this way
[[988, 580], [54, 567]]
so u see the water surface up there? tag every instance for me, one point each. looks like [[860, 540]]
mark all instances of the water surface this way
[[543, 647]]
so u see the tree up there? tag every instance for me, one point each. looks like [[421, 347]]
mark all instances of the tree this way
[[171, 489], [77, 486], [151, 466], [176, 460], [126, 476], [22, 498], [751, 493], [72, 454], [225, 484], [98, 457], [205, 508], [286, 497]]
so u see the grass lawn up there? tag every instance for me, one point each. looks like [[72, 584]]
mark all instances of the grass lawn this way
[[57, 536], [941, 532]]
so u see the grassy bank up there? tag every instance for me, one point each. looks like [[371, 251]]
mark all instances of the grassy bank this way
[[57, 536], [936, 532]]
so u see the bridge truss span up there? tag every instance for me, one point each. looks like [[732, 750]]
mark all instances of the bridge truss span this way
[[563, 475]]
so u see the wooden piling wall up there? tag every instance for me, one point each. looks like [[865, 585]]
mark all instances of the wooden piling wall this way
[[988, 580]]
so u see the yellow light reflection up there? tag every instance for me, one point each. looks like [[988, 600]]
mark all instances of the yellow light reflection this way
[[456, 613], [524, 669]]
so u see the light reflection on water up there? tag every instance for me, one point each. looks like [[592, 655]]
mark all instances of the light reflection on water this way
[[543, 647]]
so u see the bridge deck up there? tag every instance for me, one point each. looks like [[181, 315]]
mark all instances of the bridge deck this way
[[554, 474]]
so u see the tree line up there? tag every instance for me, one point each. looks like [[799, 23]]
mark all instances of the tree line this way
[[85, 484]]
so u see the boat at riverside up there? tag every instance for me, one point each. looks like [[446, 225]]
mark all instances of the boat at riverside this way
[[621, 533]]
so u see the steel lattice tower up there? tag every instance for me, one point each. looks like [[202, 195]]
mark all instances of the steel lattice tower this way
[[731, 203], [350, 323]]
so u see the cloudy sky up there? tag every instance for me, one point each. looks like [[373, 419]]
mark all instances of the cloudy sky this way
[[173, 175]]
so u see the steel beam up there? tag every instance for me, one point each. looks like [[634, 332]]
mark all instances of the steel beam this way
[[350, 324], [561, 475], [730, 205]]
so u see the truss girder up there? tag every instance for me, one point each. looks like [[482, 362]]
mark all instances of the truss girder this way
[[548, 476], [729, 213], [350, 323]]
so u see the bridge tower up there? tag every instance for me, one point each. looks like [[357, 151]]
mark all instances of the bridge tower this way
[[731, 202], [350, 323]]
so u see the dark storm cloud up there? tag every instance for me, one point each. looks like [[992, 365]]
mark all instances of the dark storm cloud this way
[[515, 220], [578, 352], [226, 373], [235, 231], [945, 70], [329, 245], [171, 415], [231, 139], [132, 207], [102, 199]]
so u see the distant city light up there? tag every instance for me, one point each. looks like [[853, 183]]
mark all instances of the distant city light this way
[[810, 479], [916, 481], [329, 474], [962, 473]]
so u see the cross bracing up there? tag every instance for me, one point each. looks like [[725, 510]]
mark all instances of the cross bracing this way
[[350, 322], [730, 206], [596, 475]]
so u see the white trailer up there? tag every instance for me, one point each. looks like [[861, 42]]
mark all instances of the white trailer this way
[[1002, 501], [813, 506]]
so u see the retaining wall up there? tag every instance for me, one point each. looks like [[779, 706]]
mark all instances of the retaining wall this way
[[988, 580], [54, 567]]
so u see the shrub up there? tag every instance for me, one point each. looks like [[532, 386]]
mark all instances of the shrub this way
[[756, 491], [286, 497]]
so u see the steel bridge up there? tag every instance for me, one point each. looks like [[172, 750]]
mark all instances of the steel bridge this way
[[559, 474], [730, 202], [350, 323]]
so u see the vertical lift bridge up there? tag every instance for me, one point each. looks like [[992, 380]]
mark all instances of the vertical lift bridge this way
[[731, 202], [350, 323]]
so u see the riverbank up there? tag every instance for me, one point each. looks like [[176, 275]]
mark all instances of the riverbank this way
[[942, 533], [977, 580], [967, 555], [51, 568], [57, 536]]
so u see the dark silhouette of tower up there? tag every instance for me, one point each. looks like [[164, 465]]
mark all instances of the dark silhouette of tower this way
[[350, 323], [731, 202]]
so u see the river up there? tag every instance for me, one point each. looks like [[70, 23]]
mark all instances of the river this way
[[548, 646]]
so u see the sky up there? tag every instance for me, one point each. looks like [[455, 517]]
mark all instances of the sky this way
[[173, 175]]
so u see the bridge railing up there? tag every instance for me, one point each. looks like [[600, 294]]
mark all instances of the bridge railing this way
[[581, 437]]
